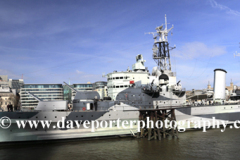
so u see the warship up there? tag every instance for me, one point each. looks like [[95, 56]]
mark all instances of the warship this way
[[128, 92]]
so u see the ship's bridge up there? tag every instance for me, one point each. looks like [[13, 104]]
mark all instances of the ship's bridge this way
[[119, 81]]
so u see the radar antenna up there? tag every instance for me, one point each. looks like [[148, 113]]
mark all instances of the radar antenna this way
[[161, 47]]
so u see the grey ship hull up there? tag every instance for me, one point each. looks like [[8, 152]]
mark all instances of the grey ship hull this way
[[229, 113], [13, 133]]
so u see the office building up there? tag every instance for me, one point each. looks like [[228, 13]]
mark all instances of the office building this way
[[82, 87], [45, 92]]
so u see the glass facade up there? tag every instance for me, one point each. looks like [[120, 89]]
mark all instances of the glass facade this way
[[16, 84], [53, 92], [83, 86], [45, 92], [67, 93], [42, 86], [99, 84]]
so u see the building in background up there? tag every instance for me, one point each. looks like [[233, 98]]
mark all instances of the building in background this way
[[82, 87], [4, 83], [231, 92], [16, 84], [44, 91], [9, 90], [14, 91], [101, 88], [67, 93], [7, 98], [13, 84], [231, 87]]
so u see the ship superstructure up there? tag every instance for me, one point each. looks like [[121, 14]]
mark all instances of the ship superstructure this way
[[120, 81], [159, 88]]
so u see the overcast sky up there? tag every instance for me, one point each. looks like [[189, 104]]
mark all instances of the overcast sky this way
[[54, 41]]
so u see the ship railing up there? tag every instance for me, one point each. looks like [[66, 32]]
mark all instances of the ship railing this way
[[100, 109], [212, 104]]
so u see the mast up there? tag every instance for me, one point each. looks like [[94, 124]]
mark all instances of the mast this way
[[160, 49]]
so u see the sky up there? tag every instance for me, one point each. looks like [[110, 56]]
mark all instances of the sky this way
[[79, 41]]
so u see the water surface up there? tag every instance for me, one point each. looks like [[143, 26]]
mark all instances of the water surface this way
[[191, 145]]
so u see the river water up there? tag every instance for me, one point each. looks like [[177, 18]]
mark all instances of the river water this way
[[212, 144]]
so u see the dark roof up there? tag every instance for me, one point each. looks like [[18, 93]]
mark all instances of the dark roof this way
[[219, 69]]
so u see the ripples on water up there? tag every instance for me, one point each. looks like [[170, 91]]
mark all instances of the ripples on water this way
[[191, 145]]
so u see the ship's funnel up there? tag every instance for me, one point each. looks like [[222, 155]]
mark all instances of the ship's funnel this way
[[219, 84]]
